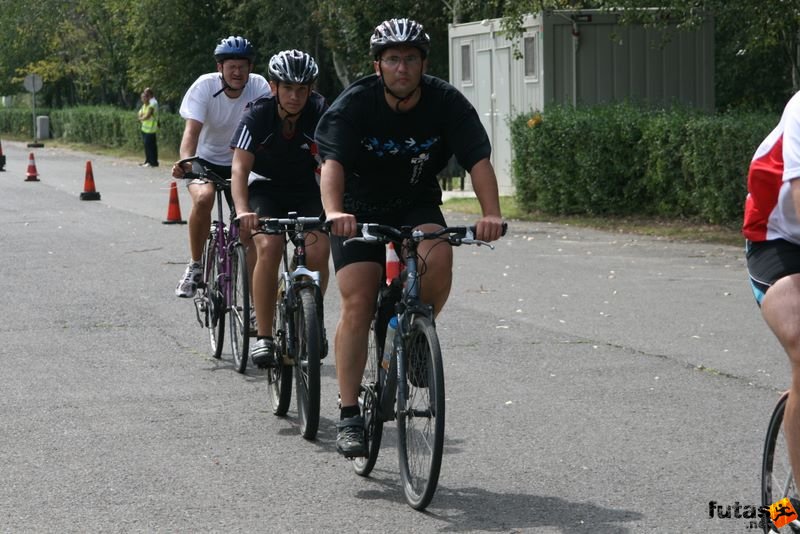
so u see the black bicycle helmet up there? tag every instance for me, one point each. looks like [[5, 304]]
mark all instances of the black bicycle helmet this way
[[394, 32], [234, 47], [293, 66]]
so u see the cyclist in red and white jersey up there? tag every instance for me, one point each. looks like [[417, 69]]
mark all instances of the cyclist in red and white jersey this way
[[772, 229]]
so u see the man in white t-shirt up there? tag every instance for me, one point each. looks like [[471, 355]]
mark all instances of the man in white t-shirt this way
[[212, 107]]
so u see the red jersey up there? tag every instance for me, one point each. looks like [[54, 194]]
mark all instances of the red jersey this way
[[769, 211]]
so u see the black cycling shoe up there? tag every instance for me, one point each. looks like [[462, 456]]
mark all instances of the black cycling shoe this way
[[350, 439]]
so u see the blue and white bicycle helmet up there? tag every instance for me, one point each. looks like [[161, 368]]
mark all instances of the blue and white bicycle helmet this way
[[234, 47], [395, 32], [293, 66]]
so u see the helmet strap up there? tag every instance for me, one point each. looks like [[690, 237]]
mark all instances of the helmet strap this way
[[226, 86], [286, 111], [400, 99]]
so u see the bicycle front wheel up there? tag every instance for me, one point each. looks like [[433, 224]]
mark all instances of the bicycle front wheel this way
[[239, 312], [215, 300], [307, 359], [420, 415], [777, 481], [368, 396], [279, 379]]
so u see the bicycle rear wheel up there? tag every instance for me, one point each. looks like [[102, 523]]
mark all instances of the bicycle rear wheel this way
[[279, 379], [420, 416], [214, 299], [239, 312], [368, 396], [777, 481], [307, 359]]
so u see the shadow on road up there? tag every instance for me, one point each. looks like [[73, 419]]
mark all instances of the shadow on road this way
[[477, 509]]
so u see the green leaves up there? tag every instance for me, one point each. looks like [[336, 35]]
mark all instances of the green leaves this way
[[621, 160]]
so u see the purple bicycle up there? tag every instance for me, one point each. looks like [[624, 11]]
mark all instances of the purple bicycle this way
[[225, 288]]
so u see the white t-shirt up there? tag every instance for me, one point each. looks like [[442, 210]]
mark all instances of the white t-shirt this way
[[219, 114]]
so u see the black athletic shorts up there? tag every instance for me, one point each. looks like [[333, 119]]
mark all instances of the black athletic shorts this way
[[266, 202], [355, 252], [223, 171], [768, 262]]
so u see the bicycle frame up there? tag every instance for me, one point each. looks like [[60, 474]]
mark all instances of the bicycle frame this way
[[225, 236], [408, 305], [406, 308], [295, 279]]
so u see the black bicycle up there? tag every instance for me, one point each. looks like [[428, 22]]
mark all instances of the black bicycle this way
[[777, 480], [298, 326], [404, 381], [225, 288]]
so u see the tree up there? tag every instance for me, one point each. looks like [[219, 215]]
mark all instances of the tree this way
[[172, 43]]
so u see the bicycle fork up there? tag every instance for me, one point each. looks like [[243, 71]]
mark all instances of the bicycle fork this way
[[393, 378]]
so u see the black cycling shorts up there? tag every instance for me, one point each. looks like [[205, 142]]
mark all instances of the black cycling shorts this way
[[221, 170], [266, 202], [224, 171], [356, 252], [768, 262]]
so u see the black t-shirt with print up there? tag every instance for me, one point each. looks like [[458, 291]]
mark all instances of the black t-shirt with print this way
[[391, 159], [288, 164]]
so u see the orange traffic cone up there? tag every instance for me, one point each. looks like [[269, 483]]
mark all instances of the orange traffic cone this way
[[89, 192], [2, 159], [392, 264], [33, 174], [174, 210]]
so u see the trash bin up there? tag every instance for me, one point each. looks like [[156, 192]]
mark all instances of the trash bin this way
[[42, 127]]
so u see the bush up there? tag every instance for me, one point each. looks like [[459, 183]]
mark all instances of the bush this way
[[622, 160], [99, 125]]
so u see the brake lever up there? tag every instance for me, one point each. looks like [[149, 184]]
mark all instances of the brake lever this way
[[365, 237], [469, 239]]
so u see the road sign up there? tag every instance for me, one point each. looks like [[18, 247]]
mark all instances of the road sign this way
[[33, 83]]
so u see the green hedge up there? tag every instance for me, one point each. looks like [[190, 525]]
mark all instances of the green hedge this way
[[102, 126], [622, 160]]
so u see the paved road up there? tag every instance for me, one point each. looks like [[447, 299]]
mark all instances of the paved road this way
[[597, 383]]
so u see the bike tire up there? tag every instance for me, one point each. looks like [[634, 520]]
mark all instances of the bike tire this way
[[420, 415], [777, 481], [368, 396], [279, 379], [307, 360], [239, 311], [215, 311]]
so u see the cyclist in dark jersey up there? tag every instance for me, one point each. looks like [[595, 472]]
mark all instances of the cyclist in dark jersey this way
[[382, 142], [274, 172]]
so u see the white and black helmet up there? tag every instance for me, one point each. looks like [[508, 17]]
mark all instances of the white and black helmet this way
[[293, 66], [395, 32]]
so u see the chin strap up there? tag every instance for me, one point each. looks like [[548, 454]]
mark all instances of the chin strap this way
[[288, 115], [400, 99], [226, 86]]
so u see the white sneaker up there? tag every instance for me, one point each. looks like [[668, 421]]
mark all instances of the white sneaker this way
[[263, 353], [187, 286]]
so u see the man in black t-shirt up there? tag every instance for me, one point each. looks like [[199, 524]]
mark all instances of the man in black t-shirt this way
[[273, 173], [382, 143]]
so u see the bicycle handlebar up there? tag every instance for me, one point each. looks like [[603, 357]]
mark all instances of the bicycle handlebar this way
[[455, 235], [203, 173], [280, 225]]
